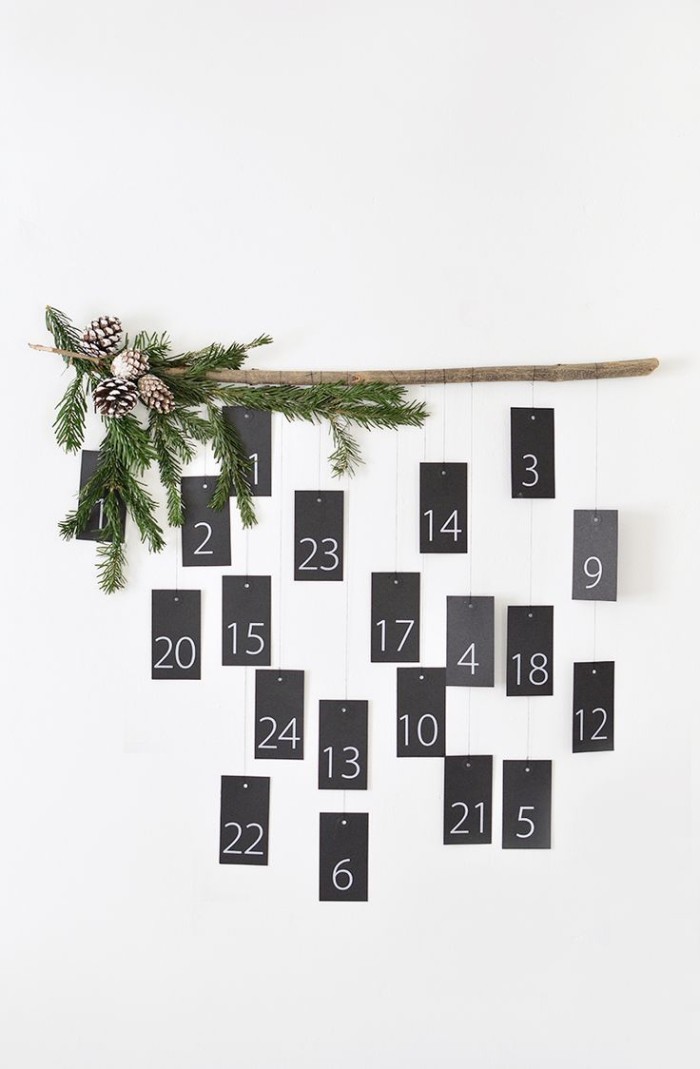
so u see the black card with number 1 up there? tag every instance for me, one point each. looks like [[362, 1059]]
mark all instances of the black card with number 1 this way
[[93, 530], [255, 429]]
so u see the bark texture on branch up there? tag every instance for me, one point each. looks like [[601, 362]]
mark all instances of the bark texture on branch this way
[[607, 369]]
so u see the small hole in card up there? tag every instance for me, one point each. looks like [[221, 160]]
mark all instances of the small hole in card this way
[[527, 768], [319, 500], [529, 616], [247, 586], [176, 598], [245, 786], [594, 671], [280, 679], [205, 486], [533, 416], [421, 677]]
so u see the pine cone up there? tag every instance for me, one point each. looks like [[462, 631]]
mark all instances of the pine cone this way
[[130, 364], [103, 335], [155, 394], [115, 397]]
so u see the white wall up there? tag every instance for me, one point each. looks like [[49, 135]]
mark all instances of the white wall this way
[[385, 183]]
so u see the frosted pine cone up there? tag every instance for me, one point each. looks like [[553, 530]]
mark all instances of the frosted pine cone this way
[[155, 394], [130, 364], [115, 397], [102, 337]]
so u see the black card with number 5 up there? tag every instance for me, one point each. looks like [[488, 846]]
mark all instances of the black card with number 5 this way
[[527, 805]]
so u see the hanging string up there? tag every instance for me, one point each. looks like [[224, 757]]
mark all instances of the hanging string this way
[[245, 720], [176, 540], [444, 417], [396, 504], [280, 468], [470, 541], [595, 495], [530, 554], [347, 585]]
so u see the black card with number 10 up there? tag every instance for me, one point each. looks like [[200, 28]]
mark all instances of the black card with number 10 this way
[[420, 712]]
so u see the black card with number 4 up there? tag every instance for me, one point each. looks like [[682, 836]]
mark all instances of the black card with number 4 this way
[[595, 555], [342, 745], [343, 857], [175, 634], [206, 532], [318, 535], [529, 650], [94, 528], [470, 641], [532, 452], [279, 714], [527, 805], [467, 800], [594, 706], [395, 620], [245, 820], [254, 427], [443, 508], [245, 620], [420, 712]]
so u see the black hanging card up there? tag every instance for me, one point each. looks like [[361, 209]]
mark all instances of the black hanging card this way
[[420, 712], [470, 641], [245, 820], [527, 805], [245, 621], [594, 706], [92, 531], [206, 533], [395, 633], [342, 745], [343, 857], [279, 714], [595, 555], [255, 429], [443, 508], [318, 535], [175, 634], [532, 452], [529, 668], [467, 800]]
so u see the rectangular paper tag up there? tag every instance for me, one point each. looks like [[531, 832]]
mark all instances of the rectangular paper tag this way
[[343, 857], [245, 623], [245, 820], [470, 641], [92, 532], [255, 429], [527, 805], [595, 555], [530, 645], [468, 800], [443, 508], [342, 745], [395, 635], [594, 706], [206, 533], [175, 634], [318, 535], [420, 712], [532, 452], [279, 714]]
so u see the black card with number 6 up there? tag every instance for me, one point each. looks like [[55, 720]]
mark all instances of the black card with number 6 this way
[[343, 857], [595, 555], [342, 745], [94, 528], [532, 452], [245, 820], [395, 617], [175, 634], [527, 805], [594, 706], [420, 712], [206, 533], [470, 641], [255, 429], [318, 535], [443, 508], [467, 800], [245, 620], [529, 668], [279, 714]]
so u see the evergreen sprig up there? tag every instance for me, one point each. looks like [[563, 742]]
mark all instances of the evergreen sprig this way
[[168, 440]]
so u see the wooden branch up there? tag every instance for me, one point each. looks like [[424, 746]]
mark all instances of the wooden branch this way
[[607, 369]]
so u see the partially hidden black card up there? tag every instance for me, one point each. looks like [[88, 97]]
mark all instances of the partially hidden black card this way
[[532, 452], [94, 528], [527, 805], [245, 820], [245, 620], [255, 429], [206, 532], [468, 798], [420, 712], [344, 850], [443, 508], [530, 643], [279, 714], [470, 641], [176, 634], [342, 745], [395, 617], [595, 555], [318, 535], [594, 706]]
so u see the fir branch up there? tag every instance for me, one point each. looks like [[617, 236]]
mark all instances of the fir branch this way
[[111, 558], [232, 456], [142, 509], [155, 346], [66, 336], [346, 456], [130, 444], [69, 424], [171, 449]]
